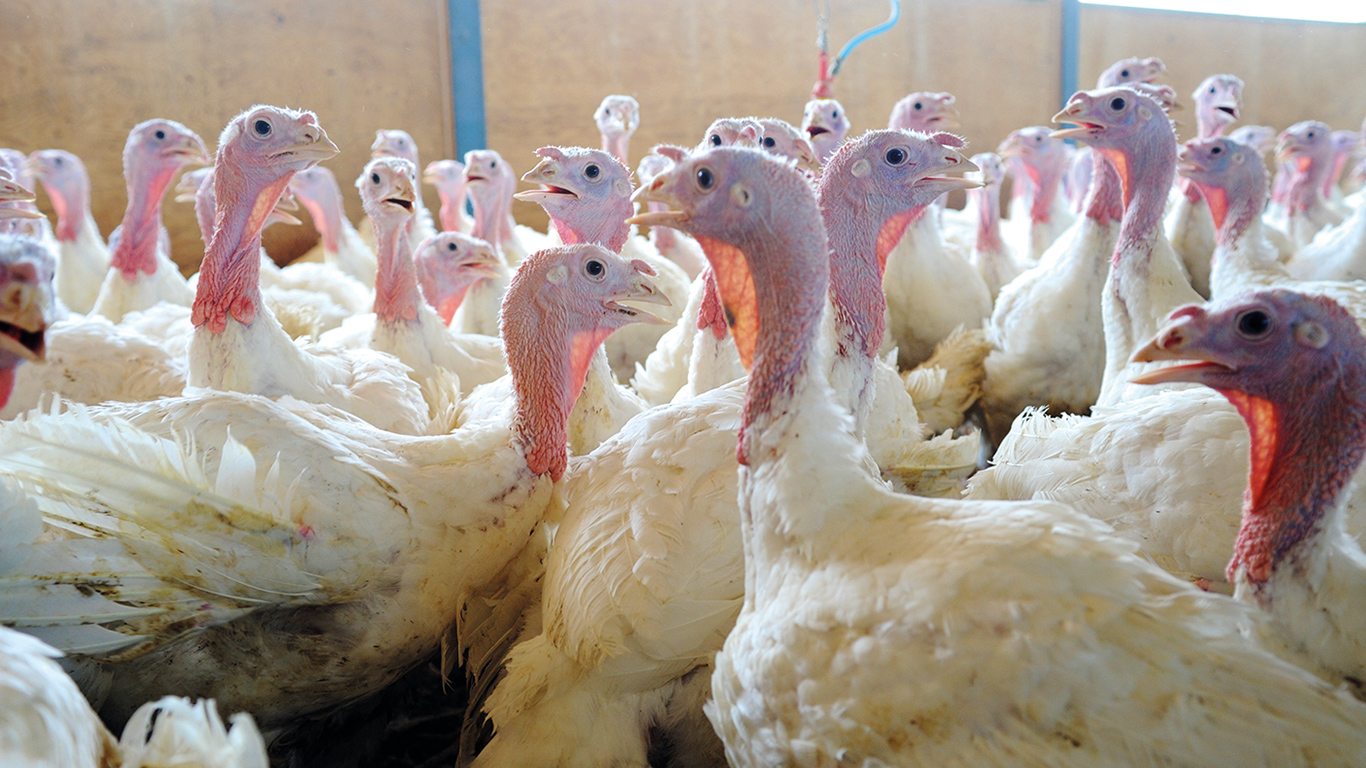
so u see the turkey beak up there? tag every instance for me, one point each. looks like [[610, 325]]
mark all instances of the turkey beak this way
[[24, 306], [1069, 115], [1010, 148], [316, 147], [655, 192], [12, 192], [1229, 108], [484, 261], [547, 174], [190, 149], [1179, 341], [949, 118], [640, 289], [278, 216]]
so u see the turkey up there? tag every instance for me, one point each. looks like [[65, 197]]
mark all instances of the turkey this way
[[141, 272], [286, 558], [990, 253], [877, 628], [490, 184], [1294, 365], [587, 194], [672, 244], [825, 124], [1218, 102], [27, 304], [395, 143], [342, 247], [448, 264], [1039, 214], [646, 572], [1307, 147], [402, 324], [83, 260], [448, 176], [618, 117]]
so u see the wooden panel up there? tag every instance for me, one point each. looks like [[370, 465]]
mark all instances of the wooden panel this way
[[78, 78], [548, 64], [1293, 70]]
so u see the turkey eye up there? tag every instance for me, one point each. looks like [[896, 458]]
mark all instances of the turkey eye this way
[[1124, 73], [1215, 150], [895, 156], [592, 171], [374, 178], [1309, 135], [1116, 103], [450, 246], [1254, 323], [1211, 89], [769, 142], [261, 127], [493, 164], [835, 115], [56, 161], [918, 105], [716, 140], [160, 135], [704, 178], [594, 268]]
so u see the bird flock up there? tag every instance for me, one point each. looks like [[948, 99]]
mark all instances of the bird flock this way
[[761, 455]]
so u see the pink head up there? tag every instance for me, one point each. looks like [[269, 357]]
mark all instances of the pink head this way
[[448, 176], [19, 211], [586, 192], [11, 191], [825, 125], [1294, 365], [991, 170], [27, 305], [448, 264], [387, 190], [64, 177], [732, 132], [1129, 128], [1218, 103], [1345, 146], [259, 151], [617, 118], [490, 182], [757, 219], [1261, 138], [1228, 174], [392, 142], [317, 189], [1308, 148], [785, 140], [559, 307], [924, 111], [869, 192], [155, 151], [1043, 159], [387, 194], [1132, 70]]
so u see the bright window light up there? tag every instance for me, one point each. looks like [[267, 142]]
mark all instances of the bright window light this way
[[1341, 11]]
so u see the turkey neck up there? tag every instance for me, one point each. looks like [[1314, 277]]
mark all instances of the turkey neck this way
[[396, 292], [452, 201], [585, 220], [136, 250], [1046, 183], [1300, 465], [1105, 201], [326, 210], [988, 202], [492, 213], [230, 275], [72, 203], [1306, 186]]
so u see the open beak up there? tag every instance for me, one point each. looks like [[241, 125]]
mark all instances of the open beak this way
[[483, 262], [12, 192], [654, 193], [1069, 115], [190, 149], [545, 173], [23, 321], [949, 118], [1229, 108], [641, 290], [1171, 343], [1186, 162]]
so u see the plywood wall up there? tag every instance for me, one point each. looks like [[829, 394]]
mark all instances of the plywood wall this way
[[1293, 70], [79, 77]]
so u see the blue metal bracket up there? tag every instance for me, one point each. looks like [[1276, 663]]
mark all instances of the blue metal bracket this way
[[467, 76], [1071, 48]]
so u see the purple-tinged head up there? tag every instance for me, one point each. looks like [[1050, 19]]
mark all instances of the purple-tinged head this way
[[1218, 103], [449, 264], [64, 177], [732, 132], [387, 188], [924, 111], [1305, 144], [1132, 70], [158, 147], [1226, 173], [786, 140], [1294, 365], [586, 192], [1126, 126], [1261, 138]]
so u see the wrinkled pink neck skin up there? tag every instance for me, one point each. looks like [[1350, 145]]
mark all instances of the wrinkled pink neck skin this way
[[452, 194], [136, 250], [1150, 164], [1309, 175], [230, 275], [492, 200], [548, 360], [601, 221], [711, 314], [1299, 470], [324, 204], [1235, 205], [205, 206], [397, 297], [447, 294], [71, 199], [1047, 180], [1105, 202], [1280, 183], [988, 202], [618, 146]]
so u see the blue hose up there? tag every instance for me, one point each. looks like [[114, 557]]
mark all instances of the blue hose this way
[[866, 34]]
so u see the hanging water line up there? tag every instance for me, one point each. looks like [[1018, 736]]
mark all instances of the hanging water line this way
[[826, 71]]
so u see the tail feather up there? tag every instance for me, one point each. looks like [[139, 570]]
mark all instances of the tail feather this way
[[944, 387], [174, 731]]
